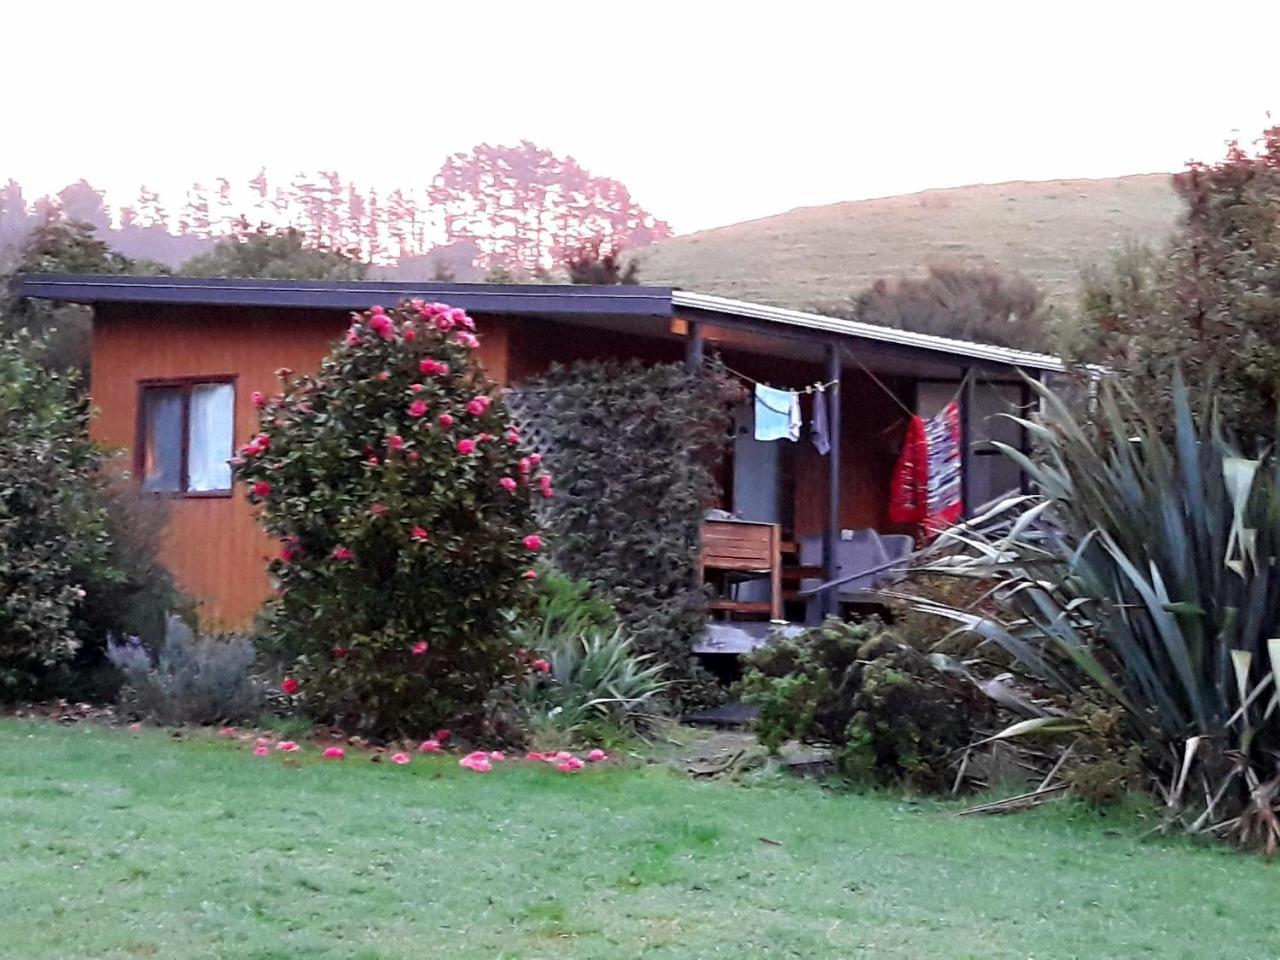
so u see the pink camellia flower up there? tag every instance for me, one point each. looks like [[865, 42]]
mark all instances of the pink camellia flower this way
[[289, 686], [477, 761], [261, 488], [597, 756], [334, 753], [445, 420], [535, 458], [343, 553], [258, 400], [464, 339], [466, 446], [414, 456], [416, 388], [466, 321], [353, 338], [433, 367], [484, 438], [261, 751], [340, 652], [384, 376], [562, 755], [395, 441], [377, 308], [420, 534], [418, 408], [458, 316], [525, 464], [443, 735], [429, 746], [544, 485], [570, 765], [409, 332], [478, 405], [533, 755], [533, 542], [540, 666], [419, 648], [400, 758], [508, 484], [283, 372], [227, 732], [287, 746], [444, 323], [497, 756], [530, 574], [380, 324], [378, 509], [372, 460]]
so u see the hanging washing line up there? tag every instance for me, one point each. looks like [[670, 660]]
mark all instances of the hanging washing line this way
[[815, 387]]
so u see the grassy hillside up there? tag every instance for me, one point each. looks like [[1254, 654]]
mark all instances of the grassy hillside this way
[[819, 255]]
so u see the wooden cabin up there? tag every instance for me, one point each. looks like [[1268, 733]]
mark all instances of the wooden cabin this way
[[175, 361]]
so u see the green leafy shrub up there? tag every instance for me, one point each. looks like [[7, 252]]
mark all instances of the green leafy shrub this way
[[1142, 583], [587, 677], [394, 481], [53, 527], [630, 446], [888, 712], [204, 680]]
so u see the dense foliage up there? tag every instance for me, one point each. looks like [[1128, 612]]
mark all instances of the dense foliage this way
[[590, 264], [77, 549], [273, 254], [585, 679], [630, 446], [968, 303], [890, 714], [397, 487], [1145, 576], [190, 679], [1209, 304]]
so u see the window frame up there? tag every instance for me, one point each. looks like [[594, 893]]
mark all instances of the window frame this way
[[186, 384]]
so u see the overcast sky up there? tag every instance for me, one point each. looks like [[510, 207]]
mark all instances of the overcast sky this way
[[711, 113]]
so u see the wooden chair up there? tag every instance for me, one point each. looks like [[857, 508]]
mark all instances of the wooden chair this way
[[740, 547]]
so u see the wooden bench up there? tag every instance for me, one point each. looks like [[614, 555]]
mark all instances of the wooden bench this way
[[745, 550]]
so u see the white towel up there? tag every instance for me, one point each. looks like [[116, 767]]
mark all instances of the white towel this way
[[777, 414]]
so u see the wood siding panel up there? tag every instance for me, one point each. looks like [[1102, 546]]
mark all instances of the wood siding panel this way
[[214, 545]]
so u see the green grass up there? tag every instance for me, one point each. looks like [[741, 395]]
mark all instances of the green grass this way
[[816, 256], [131, 845]]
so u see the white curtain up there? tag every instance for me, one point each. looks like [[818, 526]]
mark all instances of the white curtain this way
[[210, 437]]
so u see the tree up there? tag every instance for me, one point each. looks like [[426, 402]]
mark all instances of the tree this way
[[62, 246], [525, 207], [278, 254], [394, 480], [588, 265], [1208, 303], [967, 303]]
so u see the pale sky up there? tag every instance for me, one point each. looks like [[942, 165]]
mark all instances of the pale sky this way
[[711, 113]]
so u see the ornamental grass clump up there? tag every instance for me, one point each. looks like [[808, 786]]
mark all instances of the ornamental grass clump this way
[[396, 485]]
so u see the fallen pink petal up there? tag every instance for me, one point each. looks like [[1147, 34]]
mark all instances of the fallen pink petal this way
[[334, 753], [400, 758]]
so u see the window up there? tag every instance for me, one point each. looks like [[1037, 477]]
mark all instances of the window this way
[[186, 436]]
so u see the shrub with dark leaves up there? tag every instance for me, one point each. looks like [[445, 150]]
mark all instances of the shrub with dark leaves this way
[[395, 482]]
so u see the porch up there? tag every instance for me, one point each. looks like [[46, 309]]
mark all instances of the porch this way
[[836, 542]]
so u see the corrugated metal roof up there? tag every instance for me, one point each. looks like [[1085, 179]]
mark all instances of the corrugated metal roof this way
[[868, 331]]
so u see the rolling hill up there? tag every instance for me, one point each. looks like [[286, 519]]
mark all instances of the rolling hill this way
[[814, 256]]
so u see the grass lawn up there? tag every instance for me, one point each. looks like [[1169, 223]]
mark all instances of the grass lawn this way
[[132, 845]]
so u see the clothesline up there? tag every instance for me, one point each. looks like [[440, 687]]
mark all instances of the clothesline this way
[[964, 381], [816, 387]]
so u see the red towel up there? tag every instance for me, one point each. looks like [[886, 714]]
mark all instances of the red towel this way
[[926, 481]]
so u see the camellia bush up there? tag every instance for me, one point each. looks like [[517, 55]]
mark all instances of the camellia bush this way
[[398, 490]]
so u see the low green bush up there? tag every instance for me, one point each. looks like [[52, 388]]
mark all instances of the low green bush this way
[[192, 680], [585, 677], [889, 714]]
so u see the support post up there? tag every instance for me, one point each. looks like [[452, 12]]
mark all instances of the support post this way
[[829, 602], [966, 442], [694, 349]]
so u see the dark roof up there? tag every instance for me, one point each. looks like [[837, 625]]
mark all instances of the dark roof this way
[[530, 299]]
